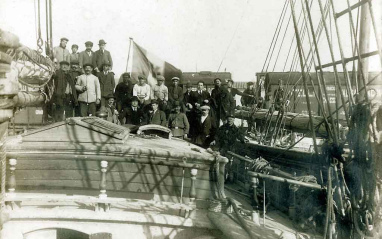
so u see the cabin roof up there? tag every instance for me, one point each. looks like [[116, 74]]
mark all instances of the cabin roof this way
[[94, 136]]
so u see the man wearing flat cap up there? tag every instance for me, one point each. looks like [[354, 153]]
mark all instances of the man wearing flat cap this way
[[74, 56], [64, 98], [75, 72], [90, 91], [86, 57], [155, 115], [178, 122], [205, 128], [142, 91], [124, 92], [159, 92], [60, 53], [107, 83], [101, 57], [249, 100], [175, 92]]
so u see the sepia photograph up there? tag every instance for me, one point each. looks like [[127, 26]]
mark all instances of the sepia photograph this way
[[191, 119]]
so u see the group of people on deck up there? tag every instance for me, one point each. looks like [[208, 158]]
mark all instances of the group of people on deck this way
[[84, 85]]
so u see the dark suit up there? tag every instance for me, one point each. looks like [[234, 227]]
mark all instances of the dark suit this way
[[107, 84], [101, 58], [84, 58], [222, 103], [200, 98], [123, 95], [64, 101], [175, 94], [204, 132], [159, 118], [131, 116]]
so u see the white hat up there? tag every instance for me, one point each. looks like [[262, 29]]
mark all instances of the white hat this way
[[205, 107]]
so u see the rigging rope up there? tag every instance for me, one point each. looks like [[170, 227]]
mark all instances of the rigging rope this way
[[233, 36]]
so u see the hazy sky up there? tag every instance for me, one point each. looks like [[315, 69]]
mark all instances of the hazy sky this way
[[190, 34]]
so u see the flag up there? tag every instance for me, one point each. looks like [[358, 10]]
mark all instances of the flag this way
[[149, 65]]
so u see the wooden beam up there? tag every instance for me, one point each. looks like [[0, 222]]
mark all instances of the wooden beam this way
[[365, 55], [352, 7]]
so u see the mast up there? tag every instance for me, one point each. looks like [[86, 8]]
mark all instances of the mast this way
[[364, 46]]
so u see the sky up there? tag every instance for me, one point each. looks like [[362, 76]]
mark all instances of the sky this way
[[193, 35]]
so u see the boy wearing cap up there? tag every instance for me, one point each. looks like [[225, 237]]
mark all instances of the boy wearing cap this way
[[86, 57], [65, 96], [159, 92], [90, 91], [60, 52], [132, 114], [101, 57], [178, 122], [124, 92], [175, 92], [107, 83], [75, 55]]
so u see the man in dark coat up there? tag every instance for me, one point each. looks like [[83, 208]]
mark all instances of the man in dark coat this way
[[227, 135], [124, 92], [75, 72], [86, 57], [205, 128], [249, 100], [132, 114], [101, 57], [156, 116], [175, 92], [65, 96], [107, 83], [201, 96], [222, 101]]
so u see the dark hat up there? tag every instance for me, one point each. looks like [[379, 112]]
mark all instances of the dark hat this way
[[249, 83], [126, 74], [154, 102], [75, 45], [188, 85], [101, 42], [176, 104], [106, 64], [217, 79], [88, 43], [231, 116], [134, 98], [64, 63], [141, 77], [88, 64], [110, 96], [175, 78], [160, 78], [74, 63], [64, 39]]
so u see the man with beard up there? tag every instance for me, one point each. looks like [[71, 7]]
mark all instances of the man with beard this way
[[86, 57], [124, 92], [60, 53], [107, 83], [132, 114], [90, 91], [222, 102], [65, 95], [205, 128], [101, 57], [178, 122]]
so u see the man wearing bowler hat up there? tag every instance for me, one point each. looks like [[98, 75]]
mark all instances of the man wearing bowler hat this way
[[60, 53], [65, 96], [90, 91], [132, 114], [107, 82], [102, 56], [86, 57]]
